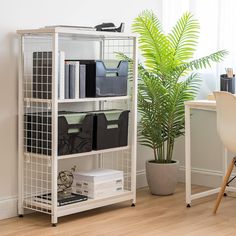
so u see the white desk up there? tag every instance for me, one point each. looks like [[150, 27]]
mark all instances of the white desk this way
[[208, 105]]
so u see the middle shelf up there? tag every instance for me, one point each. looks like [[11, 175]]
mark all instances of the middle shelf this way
[[95, 152]]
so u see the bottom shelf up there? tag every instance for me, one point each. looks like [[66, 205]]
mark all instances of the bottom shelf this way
[[80, 206]]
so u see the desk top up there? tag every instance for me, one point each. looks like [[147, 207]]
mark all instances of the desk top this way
[[201, 104]]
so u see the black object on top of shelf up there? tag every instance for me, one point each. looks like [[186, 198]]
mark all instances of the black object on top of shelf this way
[[110, 27], [105, 82]]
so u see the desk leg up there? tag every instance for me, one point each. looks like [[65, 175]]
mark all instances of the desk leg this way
[[187, 156]]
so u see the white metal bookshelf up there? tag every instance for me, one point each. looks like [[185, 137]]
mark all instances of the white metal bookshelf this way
[[38, 171]]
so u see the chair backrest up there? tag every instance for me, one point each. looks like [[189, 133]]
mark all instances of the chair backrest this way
[[226, 119]]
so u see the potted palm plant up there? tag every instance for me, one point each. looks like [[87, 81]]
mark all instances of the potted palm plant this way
[[166, 81]]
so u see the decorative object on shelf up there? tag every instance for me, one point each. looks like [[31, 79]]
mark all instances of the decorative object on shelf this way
[[65, 180], [163, 90], [110, 27]]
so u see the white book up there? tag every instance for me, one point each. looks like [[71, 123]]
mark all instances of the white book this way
[[61, 75]]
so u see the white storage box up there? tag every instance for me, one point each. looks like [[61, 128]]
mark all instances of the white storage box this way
[[101, 193], [98, 183]]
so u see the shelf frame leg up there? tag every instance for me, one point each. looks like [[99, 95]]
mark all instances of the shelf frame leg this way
[[20, 129], [54, 168]]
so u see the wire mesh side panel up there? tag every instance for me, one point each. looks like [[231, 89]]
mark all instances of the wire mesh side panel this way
[[113, 47], [121, 49], [37, 94], [120, 161], [115, 50]]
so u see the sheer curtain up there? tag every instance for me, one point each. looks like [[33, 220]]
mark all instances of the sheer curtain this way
[[217, 31]]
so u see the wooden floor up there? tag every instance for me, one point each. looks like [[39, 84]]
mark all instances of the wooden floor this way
[[152, 216]]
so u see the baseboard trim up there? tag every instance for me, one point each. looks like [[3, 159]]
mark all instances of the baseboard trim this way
[[8, 207], [204, 177], [141, 180]]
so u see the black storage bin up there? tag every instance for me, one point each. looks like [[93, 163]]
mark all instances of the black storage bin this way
[[110, 132], [105, 82], [75, 132]]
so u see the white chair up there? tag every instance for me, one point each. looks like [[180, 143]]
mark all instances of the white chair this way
[[226, 127]]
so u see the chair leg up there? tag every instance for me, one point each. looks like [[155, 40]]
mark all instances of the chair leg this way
[[223, 186]]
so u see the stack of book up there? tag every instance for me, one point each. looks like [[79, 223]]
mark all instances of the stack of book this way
[[71, 76], [74, 81]]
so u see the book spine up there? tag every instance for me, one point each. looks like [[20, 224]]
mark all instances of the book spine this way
[[72, 73], [82, 84], [61, 76], [77, 73], [67, 75]]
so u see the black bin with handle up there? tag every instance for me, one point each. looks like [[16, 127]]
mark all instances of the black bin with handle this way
[[105, 82], [75, 132], [110, 129]]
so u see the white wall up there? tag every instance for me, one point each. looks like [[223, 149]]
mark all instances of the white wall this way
[[32, 14]]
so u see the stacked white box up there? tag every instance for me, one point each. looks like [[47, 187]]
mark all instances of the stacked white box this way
[[99, 183]]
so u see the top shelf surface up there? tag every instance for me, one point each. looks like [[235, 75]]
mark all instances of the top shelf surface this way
[[74, 31]]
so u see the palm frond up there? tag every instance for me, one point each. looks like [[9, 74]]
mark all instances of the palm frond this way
[[183, 38], [153, 42], [205, 62]]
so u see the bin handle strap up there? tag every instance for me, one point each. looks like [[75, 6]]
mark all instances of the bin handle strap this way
[[113, 122]]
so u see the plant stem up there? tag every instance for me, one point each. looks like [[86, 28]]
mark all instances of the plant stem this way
[[155, 153], [170, 149], [163, 150]]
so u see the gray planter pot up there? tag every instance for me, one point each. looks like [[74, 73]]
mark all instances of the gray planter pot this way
[[162, 178]]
